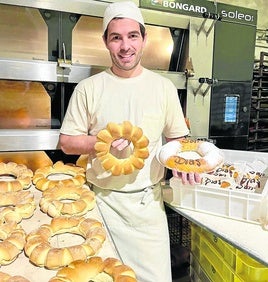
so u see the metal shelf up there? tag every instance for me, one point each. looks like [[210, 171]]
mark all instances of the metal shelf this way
[[45, 71], [259, 108], [28, 139]]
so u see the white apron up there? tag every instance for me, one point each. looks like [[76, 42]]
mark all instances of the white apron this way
[[138, 226]]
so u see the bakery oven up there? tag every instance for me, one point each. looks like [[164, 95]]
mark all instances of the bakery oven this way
[[48, 47], [217, 58], [45, 51]]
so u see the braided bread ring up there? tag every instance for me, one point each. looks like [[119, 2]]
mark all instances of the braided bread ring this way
[[83, 200], [40, 252], [21, 174], [210, 156], [129, 132], [42, 181], [12, 241], [94, 268]]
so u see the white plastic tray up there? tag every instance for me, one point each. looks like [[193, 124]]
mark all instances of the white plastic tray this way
[[236, 204]]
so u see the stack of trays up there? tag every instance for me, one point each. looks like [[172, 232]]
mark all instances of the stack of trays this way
[[213, 259]]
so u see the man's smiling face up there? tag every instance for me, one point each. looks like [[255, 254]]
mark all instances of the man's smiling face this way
[[125, 44]]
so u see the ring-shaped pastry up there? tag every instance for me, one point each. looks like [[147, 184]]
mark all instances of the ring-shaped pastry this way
[[42, 181], [41, 253], [134, 135], [209, 156], [95, 269], [12, 241], [17, 205], [80, 200], [20, 177]]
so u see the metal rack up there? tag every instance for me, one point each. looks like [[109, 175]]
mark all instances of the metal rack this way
[[258, 132]]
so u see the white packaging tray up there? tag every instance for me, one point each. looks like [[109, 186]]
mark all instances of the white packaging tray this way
[[236, 204]]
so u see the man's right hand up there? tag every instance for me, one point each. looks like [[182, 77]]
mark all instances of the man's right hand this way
[[187, 178], [120, 144]]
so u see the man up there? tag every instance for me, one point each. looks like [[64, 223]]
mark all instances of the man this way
[[132, 205]]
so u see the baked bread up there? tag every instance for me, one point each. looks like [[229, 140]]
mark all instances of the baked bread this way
[[5, 277], [17, 205], [42, 176], [20, 177], [41, 253], [129, 132], [80, 200], [95, 269], [209, 156], [12, 241]]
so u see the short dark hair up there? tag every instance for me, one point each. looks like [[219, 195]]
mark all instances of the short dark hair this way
[[142, 30]]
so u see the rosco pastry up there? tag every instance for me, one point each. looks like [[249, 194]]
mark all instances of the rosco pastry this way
[[20, 177], [95, 269], [210, 156], [17, 205], [42, 176], [80, 200], [238, 176], [41, 253], [5, 277], [12, 241], [129, 132]]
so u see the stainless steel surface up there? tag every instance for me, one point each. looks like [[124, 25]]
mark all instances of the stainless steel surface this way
[[24, 140], [44, 71], [178, 78], [51, 72], [29, 70], [88, 7]]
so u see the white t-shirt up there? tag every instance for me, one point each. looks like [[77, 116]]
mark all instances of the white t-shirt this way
[[149, 101]]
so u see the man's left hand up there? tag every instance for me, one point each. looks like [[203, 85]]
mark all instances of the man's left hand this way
[[187, 178]]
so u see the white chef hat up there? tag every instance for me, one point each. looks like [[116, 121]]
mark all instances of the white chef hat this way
[[124, 9]]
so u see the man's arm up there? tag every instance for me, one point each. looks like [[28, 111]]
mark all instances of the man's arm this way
[[77, 145]]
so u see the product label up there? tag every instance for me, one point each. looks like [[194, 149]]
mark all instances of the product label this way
[[197, 8]]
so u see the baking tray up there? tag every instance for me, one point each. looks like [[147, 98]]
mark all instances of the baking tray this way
[[22, 266]]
